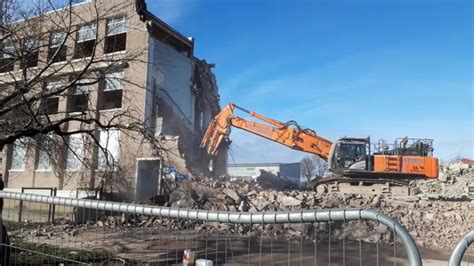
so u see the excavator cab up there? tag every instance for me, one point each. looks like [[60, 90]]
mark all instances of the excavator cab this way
[[350, 154]]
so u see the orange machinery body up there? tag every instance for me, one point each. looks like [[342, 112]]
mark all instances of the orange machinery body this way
[[294, 137], [412, 165], [297, 139]]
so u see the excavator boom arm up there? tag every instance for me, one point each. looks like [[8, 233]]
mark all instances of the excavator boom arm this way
[[293, 137]]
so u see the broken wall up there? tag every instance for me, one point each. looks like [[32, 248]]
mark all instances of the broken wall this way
[[207, 107], [170, 74], [182, 98]]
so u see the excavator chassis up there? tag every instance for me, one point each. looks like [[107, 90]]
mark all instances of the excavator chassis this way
[[363, 186]]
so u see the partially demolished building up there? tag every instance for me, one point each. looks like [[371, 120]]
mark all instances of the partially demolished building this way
[[180, 98]]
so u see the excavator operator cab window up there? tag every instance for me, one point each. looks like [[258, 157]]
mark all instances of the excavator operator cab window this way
[[352, 155]]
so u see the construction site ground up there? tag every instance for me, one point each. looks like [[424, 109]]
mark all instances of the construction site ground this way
[[161, 247], [436, 217]]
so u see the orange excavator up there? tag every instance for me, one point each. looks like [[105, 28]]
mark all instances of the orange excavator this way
[[356, 164]]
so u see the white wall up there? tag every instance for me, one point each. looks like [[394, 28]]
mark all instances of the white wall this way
[[251, 171], [291, 171]]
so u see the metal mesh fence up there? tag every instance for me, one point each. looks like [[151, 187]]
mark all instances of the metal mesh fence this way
[[100, 233], [461, 250]]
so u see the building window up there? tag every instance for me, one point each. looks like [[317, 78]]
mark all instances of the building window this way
[[85, 43], [50, 104], [7, 58], [31, 51], [45, 153], [19, 155], [75, 154], [108, 150], [55, 47], [79, 100], [111, 97], [116, 38]]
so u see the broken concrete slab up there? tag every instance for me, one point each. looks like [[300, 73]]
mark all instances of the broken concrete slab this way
[[232, 194], [289, 201]]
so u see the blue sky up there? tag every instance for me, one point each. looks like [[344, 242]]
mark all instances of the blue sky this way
[[386, 69]]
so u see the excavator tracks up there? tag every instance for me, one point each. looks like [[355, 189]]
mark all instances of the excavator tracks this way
[[364, 186]]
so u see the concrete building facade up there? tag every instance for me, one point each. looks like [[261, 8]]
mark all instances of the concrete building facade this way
[[172, 92]]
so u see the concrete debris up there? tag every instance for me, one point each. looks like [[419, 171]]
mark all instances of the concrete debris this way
[[267, 180], [455, 182], [288, 201], [231, 194], [433, 223]]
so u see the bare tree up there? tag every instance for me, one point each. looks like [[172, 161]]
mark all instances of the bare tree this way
[[28, 103], [313, 167], [49, 55], [308, 168]]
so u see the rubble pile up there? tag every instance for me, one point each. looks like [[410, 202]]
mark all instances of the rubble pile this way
[[206, 193], [268, 180], [433, 224], [436, 218], [455, 182]]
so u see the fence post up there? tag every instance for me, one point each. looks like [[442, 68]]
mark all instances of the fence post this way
[[1, 201], [20, 211], [52, 192], [4, 241], [459, 250], [53, 206]]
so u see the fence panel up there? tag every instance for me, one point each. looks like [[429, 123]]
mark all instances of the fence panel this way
[[99, 232], [461, 248]]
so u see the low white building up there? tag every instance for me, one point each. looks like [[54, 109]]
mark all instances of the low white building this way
[[290, 171]]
